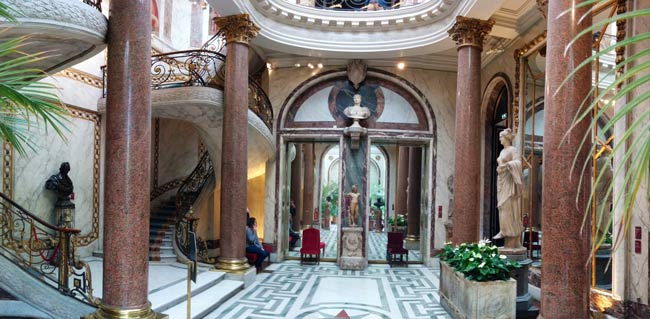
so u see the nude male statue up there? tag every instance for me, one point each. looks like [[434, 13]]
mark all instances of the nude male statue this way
[[354, 205]]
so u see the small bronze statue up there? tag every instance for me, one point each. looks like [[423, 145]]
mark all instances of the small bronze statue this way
[[62, 185]]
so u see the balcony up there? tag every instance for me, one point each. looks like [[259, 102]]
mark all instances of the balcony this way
[[70, 31]]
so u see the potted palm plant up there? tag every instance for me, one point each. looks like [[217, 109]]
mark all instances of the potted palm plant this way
[[475, 282]]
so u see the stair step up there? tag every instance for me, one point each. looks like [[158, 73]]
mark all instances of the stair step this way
[[206, 302], [171, 295]]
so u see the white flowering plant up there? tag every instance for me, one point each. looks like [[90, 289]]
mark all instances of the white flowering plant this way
[[478, 262]]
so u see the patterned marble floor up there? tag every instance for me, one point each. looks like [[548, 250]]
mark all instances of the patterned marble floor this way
[[376, 245], [324, 291]]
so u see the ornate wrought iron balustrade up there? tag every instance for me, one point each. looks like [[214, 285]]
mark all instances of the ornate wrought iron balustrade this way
[[201, 68], [186, 196], [97, 4], [45, 251], [217, 43]]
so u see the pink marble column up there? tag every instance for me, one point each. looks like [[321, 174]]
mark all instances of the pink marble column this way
[[128, 149], [469, 35], [308, 190], [565, 249], [414, 191], [234, 159], [402, 180]]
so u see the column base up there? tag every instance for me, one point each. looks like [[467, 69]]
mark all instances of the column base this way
[[412, 242], [232, 264], [108, 312]]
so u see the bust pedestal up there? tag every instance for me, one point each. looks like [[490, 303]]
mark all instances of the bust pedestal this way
[[352, 249]]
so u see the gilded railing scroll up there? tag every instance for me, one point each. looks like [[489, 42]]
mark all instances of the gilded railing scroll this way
[[45, 251], [203, 67], [186, 196], [97, 4]]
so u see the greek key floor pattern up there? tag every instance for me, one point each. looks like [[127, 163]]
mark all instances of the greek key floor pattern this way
[[376, 246], [325, 291]]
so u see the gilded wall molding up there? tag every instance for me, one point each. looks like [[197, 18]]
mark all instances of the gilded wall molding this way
[[87, 239], [470, 31], [156, 151], [238, 28], [81, 76], [518, 55]]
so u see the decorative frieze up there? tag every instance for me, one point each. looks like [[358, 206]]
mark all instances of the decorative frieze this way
[[81, 76], [238, 28], [470, 31]]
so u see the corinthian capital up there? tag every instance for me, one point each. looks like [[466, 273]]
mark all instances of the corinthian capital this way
[[470, 31], [238, 28]]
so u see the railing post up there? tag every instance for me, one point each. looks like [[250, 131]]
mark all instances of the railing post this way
[[64, 246]]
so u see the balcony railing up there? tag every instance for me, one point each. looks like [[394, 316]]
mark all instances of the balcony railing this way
[[357, 5], [97, 4], [204, 67], [45, 251]]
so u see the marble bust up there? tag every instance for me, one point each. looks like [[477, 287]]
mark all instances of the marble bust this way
[[356, 111]]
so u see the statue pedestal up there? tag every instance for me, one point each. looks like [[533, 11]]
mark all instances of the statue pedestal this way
[[355, 132], [525, 309], [352, 249]]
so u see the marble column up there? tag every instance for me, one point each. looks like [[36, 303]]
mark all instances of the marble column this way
[[469, 35], [413, 199], [308, 182], [402, 180], [128, 149], [565, 251], [296, 179], [234, 167]]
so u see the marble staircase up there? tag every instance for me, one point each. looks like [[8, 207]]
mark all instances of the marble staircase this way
[[210, 291], [161, 231]]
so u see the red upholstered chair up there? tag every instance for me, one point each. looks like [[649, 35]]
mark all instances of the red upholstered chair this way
[[252, 258], [310, 250], [322, 246], [395, 248]]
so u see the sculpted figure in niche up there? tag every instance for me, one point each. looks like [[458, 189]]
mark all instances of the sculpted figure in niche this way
[[354, 205], [509, 187], [62, 185], [356, 111]]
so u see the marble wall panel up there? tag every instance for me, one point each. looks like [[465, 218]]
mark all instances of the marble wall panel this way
[[178, 150], [31, 172]]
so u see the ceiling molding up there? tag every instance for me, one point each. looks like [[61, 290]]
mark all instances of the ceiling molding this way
[[410, 31]]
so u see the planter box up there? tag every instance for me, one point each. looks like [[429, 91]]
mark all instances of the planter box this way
[[468, 299]]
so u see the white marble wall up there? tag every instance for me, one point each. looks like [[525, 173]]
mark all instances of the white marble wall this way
[[32, 170], [438, 87], [178, 150]]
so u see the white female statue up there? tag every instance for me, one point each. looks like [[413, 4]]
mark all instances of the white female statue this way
[[509, 187]]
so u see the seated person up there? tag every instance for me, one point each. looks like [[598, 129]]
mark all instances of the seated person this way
[[294, 236], [253, 244]]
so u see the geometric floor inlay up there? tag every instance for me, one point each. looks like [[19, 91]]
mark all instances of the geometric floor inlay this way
[[376, 246], [325, 291]]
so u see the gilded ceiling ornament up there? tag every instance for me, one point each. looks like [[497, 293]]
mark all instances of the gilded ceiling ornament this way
[[238, 28], [470, 31]]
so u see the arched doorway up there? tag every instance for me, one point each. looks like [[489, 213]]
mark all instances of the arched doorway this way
[[313, 113]]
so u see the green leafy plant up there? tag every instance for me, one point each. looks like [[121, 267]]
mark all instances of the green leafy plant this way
[[634, 143], [24, 101], [478, 261], [401, 221], [331, 190]]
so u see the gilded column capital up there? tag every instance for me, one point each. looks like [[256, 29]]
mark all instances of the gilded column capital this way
[[470, 31], [238, 28]]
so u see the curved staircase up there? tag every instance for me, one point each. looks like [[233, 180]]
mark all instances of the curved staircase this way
[[161, 231]]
